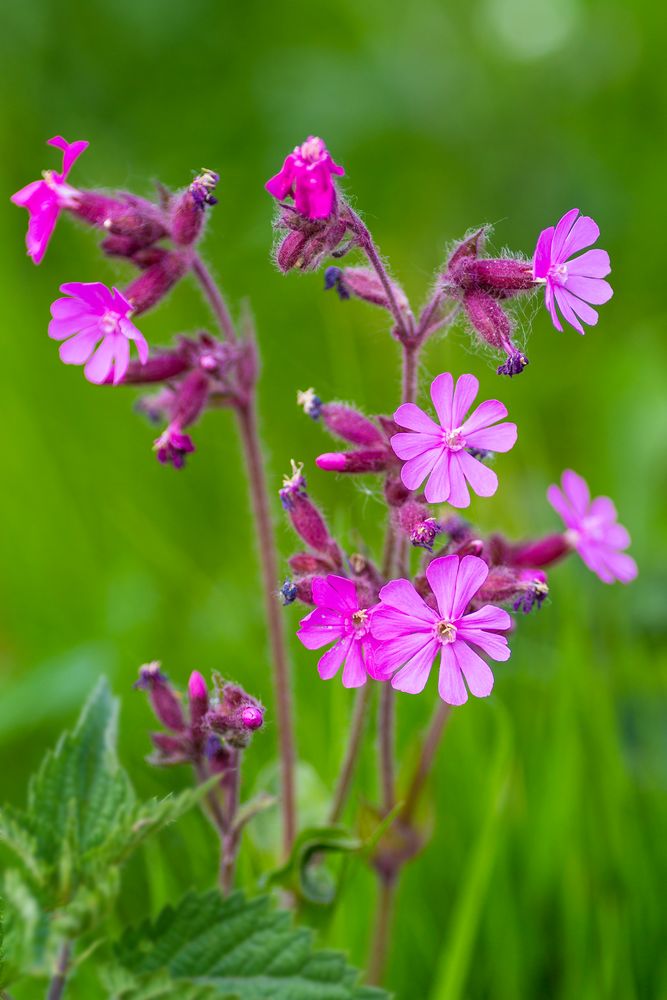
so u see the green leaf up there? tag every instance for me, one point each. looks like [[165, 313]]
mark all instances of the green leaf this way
[[310, 881], [247, 949]]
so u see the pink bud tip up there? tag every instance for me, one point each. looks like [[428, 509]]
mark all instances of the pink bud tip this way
[[252, 717], [331, 461], [197, 686]]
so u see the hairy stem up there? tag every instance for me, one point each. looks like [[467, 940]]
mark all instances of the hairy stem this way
[[57, 984], [381, 931], [247, 418], [215, 298], [346, 775], [386, 747], [425, 762], [367, 244], [230, 841]]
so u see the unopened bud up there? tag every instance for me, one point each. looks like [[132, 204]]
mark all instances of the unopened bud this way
[[187, 218], [493, 325], [543, 552], [198, 701], [160, 367], [354, 461], [121, 215], [347, 423], [156, 281], [163, 698], [364, 284]]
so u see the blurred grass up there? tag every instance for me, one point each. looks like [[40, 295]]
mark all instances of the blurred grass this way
[[545, 873]]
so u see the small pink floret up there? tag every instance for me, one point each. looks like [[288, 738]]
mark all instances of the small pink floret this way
[[92, 323], [411, 634], [306, 176], [592, 529], [331, 461], [441, 452], [573, 284], [44, 199], [252, 717], [197, 686], [338, 618]]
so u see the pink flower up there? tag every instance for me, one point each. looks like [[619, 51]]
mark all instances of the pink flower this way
[[443, 451], [592, 529], [411, 634], [172, 446], [572, 282], [45, 198], [338, 618], [94, 314], [306, 176]]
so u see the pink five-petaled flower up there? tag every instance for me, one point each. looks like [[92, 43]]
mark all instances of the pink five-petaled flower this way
[[306, 176], [592, 529], [93, 313], [45, 198], [338, 618], [572, 284], [441, 451], [410, 634]]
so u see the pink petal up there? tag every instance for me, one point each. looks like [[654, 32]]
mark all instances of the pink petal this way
[[549, 302], [562, 506], [493, 645], [483, 480], [412, 445], [616, 536], [622, 566], [476, 671], [458, 490], [413, 417], [415, 471], [354, 672], [121, 357], [400, 594], [437, 487], [77, 350], [413, 675], [592, 264], [604, 509], [489, 617], [93, 293], [280, 185], [442, 394], [542, 255], [487, 413], [473, 571], [23, 197], [59, 329], [502, 437], [329, 664], [70, 308], [393, 654], [593, 290], [467, 387], [441, 574], [71, 151], [576, 490], [451, 688], [335, 592], [561, 232], [583, 233], [573, 308], [319, 628], [99, 365]]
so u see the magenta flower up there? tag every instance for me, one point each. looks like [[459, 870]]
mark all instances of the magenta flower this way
[[95, 315], [592, 529], [443, 451], [574, 283], [45, 198], [410, 634], [172, 446], [306, 176], [338, 618]]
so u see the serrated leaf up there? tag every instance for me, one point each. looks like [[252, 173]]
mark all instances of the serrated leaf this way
[[123, 985], [24, 927], [247, 949]]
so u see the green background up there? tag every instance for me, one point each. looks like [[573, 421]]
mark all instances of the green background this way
[[543, 872]]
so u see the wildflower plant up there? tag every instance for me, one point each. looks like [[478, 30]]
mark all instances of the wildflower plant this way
[[440, 595]]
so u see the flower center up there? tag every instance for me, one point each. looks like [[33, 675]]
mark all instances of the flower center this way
[[360, 621], [445, 631], [559, 272], [109, 322], [312, 149], [454, 439]]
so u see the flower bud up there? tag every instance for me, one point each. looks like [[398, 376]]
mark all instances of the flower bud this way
[[543, 552], [172, 750], [306, 519], [158, 279], [289, 252], [364, 284], [493, 325], [198, 702], [160, 367], [350, 425], [163, 698], [122, 214], [305, 562], [236, 715], [354, 461], [187, 217], [395, 492]]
